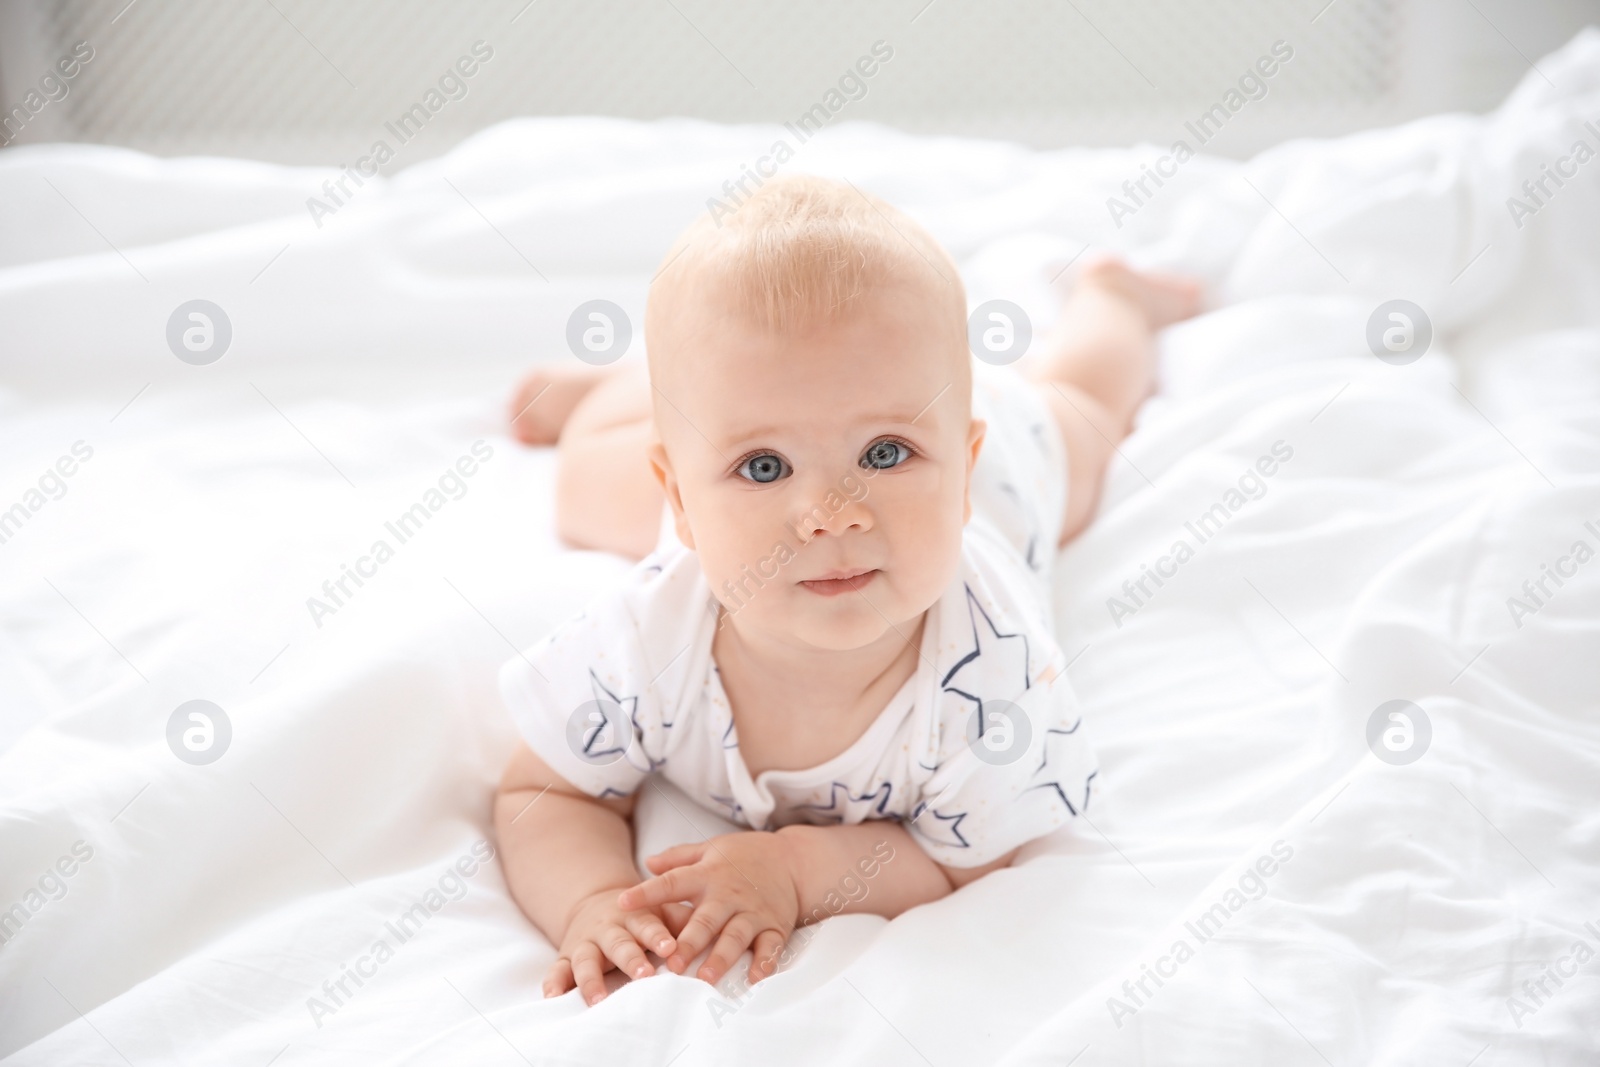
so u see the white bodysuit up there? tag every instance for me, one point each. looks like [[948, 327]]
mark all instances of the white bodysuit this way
[[981, 750]]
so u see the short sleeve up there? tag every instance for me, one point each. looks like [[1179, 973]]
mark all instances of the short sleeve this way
[[597, 698], [1026, 773]]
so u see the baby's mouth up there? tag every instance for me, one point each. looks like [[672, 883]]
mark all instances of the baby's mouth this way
[[840, 582]]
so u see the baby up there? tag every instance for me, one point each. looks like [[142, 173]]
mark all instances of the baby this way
[[839, 634]]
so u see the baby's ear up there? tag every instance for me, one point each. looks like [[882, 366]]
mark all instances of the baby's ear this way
[[661, 465], [975, 435]]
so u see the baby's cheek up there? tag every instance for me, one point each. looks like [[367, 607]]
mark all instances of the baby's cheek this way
[[927, 550], [753, 576], [734, 546]]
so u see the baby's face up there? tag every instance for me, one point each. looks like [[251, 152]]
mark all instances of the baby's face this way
[[790, 460]]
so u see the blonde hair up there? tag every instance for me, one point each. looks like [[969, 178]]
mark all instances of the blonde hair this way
[[806, 251]]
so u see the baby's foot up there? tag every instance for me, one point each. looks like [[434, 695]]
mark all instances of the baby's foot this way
[[1165, 298], [545, 398]]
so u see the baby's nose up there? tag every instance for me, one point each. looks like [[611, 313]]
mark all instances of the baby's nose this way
[[829, 509]]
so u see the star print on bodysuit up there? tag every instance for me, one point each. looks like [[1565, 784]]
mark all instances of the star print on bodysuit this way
[[1011, 649], [1001, 657], [944, 829], [1015, 496], [735, 809], [840, 800], [1053, 739], [630, 709]]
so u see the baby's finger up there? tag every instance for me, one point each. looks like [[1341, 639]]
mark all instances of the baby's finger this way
[[588, 968], [650, 931], [764, 955], [676, 917], [736, 937], [558, 979], [706, 922], [620, 947], [680, 883], [676, 856]]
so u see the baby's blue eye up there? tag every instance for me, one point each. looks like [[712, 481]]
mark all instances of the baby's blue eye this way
[[763, 467], [882, 455]]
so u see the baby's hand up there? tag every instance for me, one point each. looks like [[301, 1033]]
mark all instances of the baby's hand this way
[[741, 884], [602, 934]]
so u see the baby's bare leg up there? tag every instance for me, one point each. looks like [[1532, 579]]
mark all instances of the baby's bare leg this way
[[607, 498], [1101, 366]]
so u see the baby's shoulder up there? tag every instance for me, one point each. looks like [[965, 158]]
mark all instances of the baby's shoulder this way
[[662, 598], [635, 638], [599, 696], [655, 593]]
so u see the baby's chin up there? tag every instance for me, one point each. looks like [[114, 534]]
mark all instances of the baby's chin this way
[[836, 636], [834, 624]]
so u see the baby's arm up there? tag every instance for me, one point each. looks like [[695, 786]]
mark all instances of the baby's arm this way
[[566, 856], [753, 888], [823, 855]]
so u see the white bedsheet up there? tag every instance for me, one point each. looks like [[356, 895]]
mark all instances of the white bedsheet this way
[[1229, 707]]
